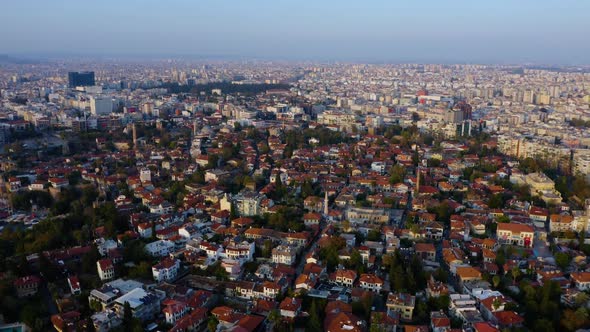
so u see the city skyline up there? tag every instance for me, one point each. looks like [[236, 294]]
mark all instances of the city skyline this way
[[536, 32]]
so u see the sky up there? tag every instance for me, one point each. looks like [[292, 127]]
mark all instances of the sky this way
[[550, 32]]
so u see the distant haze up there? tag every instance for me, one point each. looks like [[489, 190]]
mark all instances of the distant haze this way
[[477, 31]]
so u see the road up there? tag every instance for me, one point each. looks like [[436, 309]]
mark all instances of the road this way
[[305, 252]]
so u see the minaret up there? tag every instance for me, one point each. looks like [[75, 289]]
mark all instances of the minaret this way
[[326, 203], [194, 128]]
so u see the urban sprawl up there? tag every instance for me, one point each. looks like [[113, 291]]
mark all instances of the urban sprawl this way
[[275, 196]]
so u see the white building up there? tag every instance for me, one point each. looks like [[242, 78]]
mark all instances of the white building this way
[[106, 269], [284, 255], [145, 175], [145, 305], [160, 248], [166, 270], [101, 105], [241, 252]]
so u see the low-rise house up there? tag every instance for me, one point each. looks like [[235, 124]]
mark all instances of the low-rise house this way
[[386, 322], [370, 282], [426, 251], [468, 273], [74, 284], [106, 269], [166, 270], [312, 219], [484, 327], [58, 182], [226, 316], [241, 252], [306, 281], [290, 307], [439, 322], [195, 321], [343, 321], [581, 280], [490, 305], [105, 320], [110, 291], [402, 303], [344, 277], [507, 319], [284, 255], [436, 288], [145, 305], [313, 204], [14, 184], [516, 234], [463, 307], [145, 230], [160, 248], [174, 310], [27, 286], [66, 321], [560, 222]]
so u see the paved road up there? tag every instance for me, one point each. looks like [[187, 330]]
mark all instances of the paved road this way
[[313, 246]]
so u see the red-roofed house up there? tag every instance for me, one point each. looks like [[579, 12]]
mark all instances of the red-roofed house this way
[[581, 280], [439, 322], [166, 270], [193, 322], [484, 327], [74, 283], [27, 286], [507, 319], [517, 234], [370, 282], [106, 269], [174, 310], [343, 277], [290, 307]]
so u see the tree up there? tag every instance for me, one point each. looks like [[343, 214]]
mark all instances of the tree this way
[[502, 219], [574, 320], [212, 324], [397, 174], [356, 261], [376, 320], [441, 275], [496, 281], [314, 323], [515, 273], [562, 260], [141, 271], [374, 235], [127, 315], [274, 316], [346, 226], [443, 212], [95, 305], [212, 160], [496, 201], [267, 248], [89, 260]]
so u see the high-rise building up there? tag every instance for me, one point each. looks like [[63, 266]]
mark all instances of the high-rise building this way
[[85, 78], [529, 97], [101, 105]]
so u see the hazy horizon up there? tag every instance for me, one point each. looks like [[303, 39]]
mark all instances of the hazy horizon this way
[[499, 32]]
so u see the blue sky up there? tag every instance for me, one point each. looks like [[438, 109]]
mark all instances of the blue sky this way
[[500, 31]]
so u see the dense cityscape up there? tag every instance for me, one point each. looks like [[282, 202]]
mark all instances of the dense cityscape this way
[[265, 196]]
